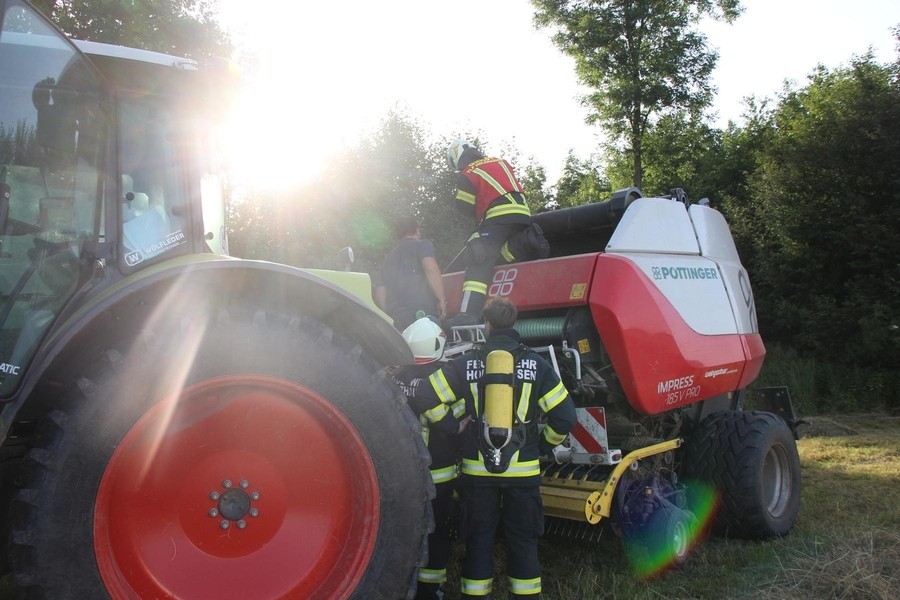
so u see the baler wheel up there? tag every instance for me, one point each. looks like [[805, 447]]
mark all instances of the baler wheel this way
[[750, 460], [268, 463]]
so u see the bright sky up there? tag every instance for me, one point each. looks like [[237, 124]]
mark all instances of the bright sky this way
[[329, 71]]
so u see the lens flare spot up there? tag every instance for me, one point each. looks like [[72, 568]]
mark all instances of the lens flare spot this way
[[669, 535]]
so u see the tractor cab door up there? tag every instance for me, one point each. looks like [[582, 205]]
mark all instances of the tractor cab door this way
[[53, 136]]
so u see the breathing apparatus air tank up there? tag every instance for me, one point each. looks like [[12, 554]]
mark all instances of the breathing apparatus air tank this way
[[497, 429]]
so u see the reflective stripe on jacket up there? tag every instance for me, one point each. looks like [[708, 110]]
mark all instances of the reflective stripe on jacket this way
[[439, 423], [492, 189], [539, 390]]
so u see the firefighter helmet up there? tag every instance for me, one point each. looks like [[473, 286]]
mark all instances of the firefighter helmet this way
[[456, 149], [426, 339]]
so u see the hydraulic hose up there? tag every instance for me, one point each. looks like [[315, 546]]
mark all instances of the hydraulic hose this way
[[541, 328]]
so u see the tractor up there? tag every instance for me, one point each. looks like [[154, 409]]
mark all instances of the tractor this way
[[645, 310], [174, 422]]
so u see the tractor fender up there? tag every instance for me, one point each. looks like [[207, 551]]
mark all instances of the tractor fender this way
[[123, 309]]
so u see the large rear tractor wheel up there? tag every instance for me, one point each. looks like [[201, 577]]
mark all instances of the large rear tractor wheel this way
[[750, 460], [245, 461]]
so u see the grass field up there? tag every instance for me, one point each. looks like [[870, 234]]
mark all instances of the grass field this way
[[846, 544]]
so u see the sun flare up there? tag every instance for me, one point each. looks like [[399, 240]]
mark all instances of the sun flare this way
[[298, 107], [281, 133]]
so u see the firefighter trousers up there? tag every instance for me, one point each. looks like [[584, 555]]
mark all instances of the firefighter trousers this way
[[486, 248], [519, 511]]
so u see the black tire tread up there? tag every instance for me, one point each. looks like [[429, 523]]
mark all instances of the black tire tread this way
[[724, 452], [33, 532]]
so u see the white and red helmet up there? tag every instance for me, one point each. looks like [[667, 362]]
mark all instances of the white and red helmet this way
[[456, 149], [426, 339]]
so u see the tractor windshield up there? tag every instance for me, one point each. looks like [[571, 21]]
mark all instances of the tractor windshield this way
[[52, 138]]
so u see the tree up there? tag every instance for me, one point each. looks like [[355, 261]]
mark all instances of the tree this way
[[826, 209], [18, 146], [533, 178], [642, 58], [581, 182], [394, 171], [180, 27], [674, 149], [729, 167]]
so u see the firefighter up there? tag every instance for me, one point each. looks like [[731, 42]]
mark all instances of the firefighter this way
[[410, 280], [488, 188], [500, 475], [440, 429]]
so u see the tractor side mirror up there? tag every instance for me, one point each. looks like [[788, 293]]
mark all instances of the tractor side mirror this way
[[57, 126], [345, 257]]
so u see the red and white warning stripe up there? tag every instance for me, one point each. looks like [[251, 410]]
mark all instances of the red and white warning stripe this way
[[588, 435]]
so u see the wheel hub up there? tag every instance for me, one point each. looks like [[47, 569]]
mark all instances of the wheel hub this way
[[233, 504]]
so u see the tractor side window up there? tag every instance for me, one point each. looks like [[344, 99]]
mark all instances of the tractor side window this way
[[53, 126], [154, 213]]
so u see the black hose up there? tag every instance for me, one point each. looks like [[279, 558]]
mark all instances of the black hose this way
[[563, 222]]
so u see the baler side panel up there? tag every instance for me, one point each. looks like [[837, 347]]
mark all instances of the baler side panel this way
[[694, 286], [717, 244], [662, 363], [553, 283], [755, 352]]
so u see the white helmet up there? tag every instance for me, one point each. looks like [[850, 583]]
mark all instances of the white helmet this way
[[456, 149], [426, 339]]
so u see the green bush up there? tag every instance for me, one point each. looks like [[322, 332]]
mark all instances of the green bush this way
[[819, 387]]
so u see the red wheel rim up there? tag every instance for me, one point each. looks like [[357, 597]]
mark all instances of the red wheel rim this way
[[247, 486]]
